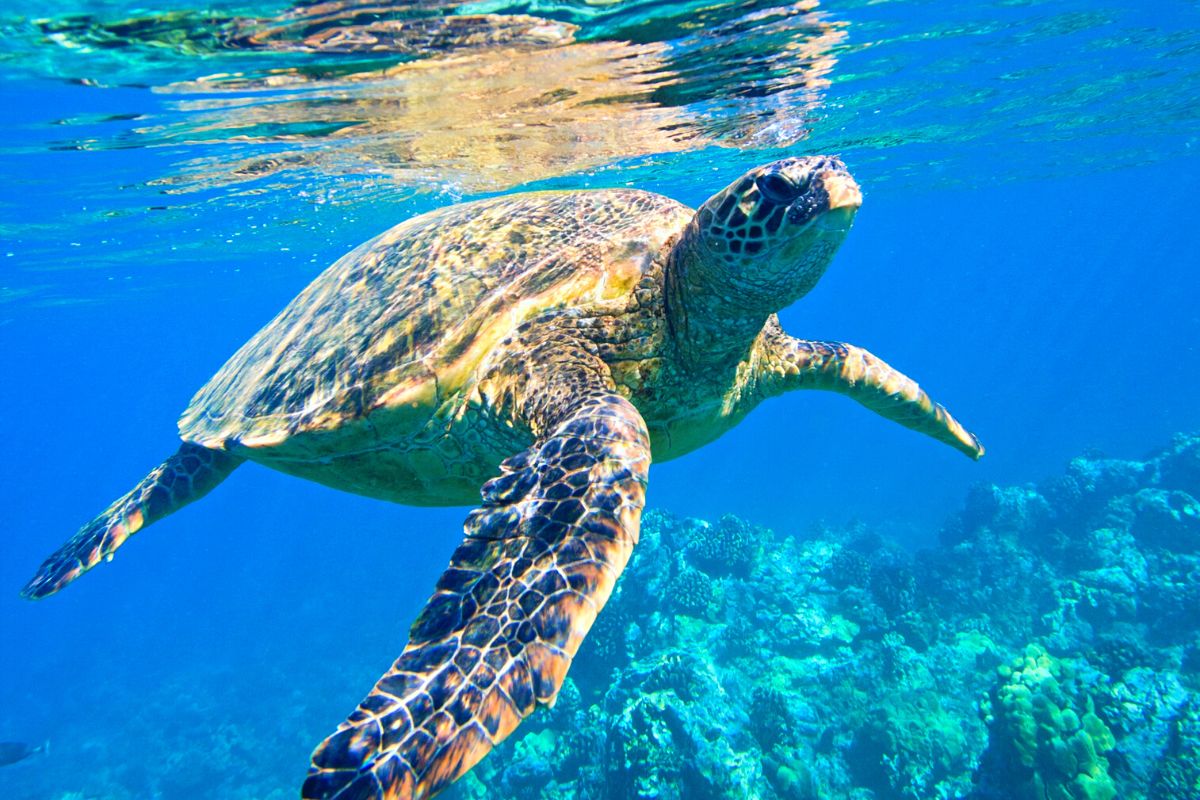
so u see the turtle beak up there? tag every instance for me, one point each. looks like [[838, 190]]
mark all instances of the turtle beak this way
[[845, 198], [842, 190]]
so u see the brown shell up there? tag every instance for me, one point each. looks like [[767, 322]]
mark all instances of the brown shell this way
[[399, 323]]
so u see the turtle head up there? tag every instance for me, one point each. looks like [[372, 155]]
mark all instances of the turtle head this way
[[753, 248], [772, 232]]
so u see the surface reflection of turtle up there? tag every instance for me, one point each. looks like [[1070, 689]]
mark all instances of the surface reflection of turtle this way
[[383, 97], [543, 346], [476, 120], [397, 28], [420, 36], [473, 120]]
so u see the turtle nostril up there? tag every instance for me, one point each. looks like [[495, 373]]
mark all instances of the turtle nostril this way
[[777, 188]]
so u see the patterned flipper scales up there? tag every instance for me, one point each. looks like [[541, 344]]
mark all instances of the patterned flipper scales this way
[[186, 476], [835, 366], [538, 562]]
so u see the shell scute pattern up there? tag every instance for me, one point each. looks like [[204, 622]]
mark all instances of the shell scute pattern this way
[[398, 324]]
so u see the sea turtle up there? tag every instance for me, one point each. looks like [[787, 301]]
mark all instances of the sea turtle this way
[[545, 346]]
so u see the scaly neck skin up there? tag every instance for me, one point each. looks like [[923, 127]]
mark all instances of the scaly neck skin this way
[[714, 321]]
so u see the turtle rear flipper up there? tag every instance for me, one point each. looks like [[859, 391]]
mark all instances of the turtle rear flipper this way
[[538, 562], [186, 476]]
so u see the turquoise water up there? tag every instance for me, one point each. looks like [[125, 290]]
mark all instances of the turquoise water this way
[[1025, 250]]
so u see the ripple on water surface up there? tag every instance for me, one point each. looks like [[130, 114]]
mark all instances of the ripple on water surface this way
[[274, 111]]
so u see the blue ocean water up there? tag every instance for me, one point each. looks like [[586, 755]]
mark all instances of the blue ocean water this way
[[1026, 250]]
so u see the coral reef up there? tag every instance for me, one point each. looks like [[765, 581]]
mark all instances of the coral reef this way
[[727, 548], [691, 592], [1048, 650], [1036, 715], [1177, 774]]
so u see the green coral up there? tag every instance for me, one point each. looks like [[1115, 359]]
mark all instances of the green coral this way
[[1061, 742], [913, 744]]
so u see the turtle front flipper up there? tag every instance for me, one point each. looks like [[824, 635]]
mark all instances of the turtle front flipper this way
[[538, 562], [186, 476], [788, 363]]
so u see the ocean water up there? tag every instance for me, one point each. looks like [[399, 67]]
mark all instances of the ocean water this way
[[1026, 250]]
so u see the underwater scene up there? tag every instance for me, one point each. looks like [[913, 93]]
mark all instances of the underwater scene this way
[[529, 500]]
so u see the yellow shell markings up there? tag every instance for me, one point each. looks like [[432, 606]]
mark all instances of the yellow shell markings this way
[[395, 329]]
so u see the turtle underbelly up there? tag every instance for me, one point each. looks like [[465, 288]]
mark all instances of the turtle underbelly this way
[[410, 477], [446, 468], [670, 440]]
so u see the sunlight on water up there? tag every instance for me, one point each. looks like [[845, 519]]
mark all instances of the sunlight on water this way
[[357, 103], [427, 96], [459, 108]]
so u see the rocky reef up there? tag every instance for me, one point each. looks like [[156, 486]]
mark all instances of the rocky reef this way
[[1049, 649]]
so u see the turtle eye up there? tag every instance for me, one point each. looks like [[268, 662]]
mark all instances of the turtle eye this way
[[777, 189]]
